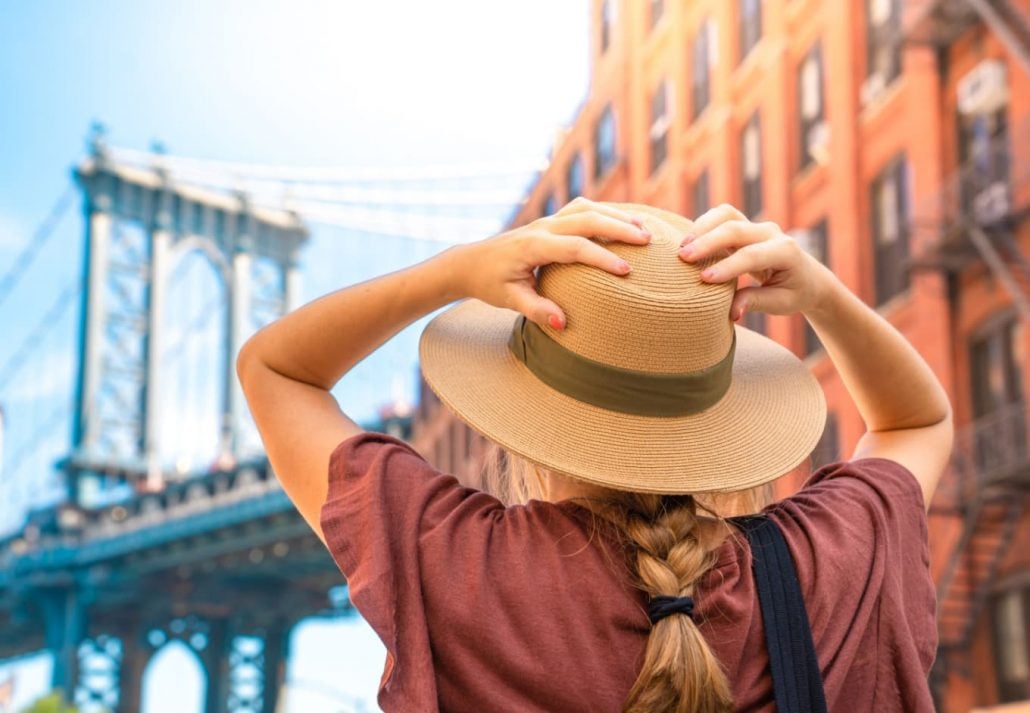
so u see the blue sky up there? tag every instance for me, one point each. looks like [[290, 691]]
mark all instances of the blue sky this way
[[343, 83]]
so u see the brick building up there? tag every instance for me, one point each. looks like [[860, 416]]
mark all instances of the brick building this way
[[891, 137]]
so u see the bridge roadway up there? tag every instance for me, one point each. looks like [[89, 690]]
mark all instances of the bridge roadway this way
[[220, 561]]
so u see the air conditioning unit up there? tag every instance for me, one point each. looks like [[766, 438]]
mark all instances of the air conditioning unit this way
[[818, 143], [991, 204], [983, 90], [872, 87]]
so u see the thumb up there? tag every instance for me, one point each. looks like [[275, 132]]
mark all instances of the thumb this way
[[540, 310], [774, 300]]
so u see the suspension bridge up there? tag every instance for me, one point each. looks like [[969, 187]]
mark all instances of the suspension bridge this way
[[138, 508]]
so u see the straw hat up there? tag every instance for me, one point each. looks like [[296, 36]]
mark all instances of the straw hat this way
[[651, 387]]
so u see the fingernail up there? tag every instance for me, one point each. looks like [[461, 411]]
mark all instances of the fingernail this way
[[555, 321], [708, 274], [637, 221], [687, 250], [644, 232], [623, 266], [687, 239]]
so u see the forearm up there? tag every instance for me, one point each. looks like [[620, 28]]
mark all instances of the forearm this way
[[890, 383], [320, 342]]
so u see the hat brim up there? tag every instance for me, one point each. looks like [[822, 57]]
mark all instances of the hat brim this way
[[767, 423]]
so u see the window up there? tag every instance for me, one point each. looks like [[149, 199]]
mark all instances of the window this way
[[984, 153], [574, 179], [755, 321], [890, 200], [607, 21], [750, 25], [701, 68], [883, 45], [1012, 643], [659, 133], [996, 358], [657, 8], [604, 143], [700, 198], [549, 205], [816, 243], [811, 109], [751, 166], [827, 450]]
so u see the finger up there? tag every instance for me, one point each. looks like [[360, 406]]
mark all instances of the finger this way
[[772, 254], [538, 309], [715, 217], [581, 204], [731, 234], [569, 249], [775, 300], [594, 223]]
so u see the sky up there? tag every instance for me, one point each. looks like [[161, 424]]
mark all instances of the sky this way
[[345, 83]]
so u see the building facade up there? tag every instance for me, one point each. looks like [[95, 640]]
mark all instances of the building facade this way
[[892, 139]]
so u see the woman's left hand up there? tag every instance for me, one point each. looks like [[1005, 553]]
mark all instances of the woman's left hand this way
[[501, 270]]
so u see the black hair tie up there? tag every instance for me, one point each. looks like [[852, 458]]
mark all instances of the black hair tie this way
[[660, 607]]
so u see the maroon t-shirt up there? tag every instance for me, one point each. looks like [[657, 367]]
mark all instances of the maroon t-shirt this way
[[525, 608]]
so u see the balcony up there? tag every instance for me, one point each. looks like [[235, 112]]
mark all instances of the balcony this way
[[991, 453], [939, 22], [991, 192]]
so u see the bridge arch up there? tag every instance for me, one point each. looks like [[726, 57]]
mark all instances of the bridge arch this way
[[186, 685]]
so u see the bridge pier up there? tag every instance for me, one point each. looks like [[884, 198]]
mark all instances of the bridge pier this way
[[64, 618], [135, 655]]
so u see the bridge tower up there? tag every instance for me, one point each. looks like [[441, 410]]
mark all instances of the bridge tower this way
[[139, 223]]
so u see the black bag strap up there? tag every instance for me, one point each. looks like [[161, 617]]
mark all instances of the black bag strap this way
[[797, 682]]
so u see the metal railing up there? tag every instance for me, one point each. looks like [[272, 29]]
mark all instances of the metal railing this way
[[987, 191], [991, 451]]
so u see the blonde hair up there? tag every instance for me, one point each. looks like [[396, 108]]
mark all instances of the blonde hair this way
[[669, 553]]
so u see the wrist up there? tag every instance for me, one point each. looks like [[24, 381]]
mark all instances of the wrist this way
[[451, 267], [828, 294]]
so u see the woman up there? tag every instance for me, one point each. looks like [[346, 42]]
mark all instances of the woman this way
[[599, 350]]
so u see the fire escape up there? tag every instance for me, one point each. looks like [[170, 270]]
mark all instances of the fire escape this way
[[974, 220]]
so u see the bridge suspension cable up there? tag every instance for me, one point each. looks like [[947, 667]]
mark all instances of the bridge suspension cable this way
[[181, 165], [39, 238], [20, 357]]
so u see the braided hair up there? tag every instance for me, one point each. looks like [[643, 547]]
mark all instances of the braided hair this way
[[669, 552]]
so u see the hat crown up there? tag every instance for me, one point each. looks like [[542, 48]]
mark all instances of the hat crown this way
[[661, 317]]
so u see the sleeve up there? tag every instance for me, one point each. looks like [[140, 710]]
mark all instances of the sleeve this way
[[383, 499], [858, 533]]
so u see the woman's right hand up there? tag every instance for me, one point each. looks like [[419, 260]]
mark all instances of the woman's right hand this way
[[789, 279], [501, 270]]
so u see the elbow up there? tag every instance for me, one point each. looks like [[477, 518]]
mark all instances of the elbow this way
[[247, 362]]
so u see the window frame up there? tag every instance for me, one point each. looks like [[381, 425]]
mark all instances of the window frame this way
[[654, 18], [820, 231], [701, 193], [575, 169], [883, 37], [658, 131], [701, 79], [807, 124], [1010, 690], [752, 201], [607, 24], [604, 161], [749, 26], [891, 261]]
